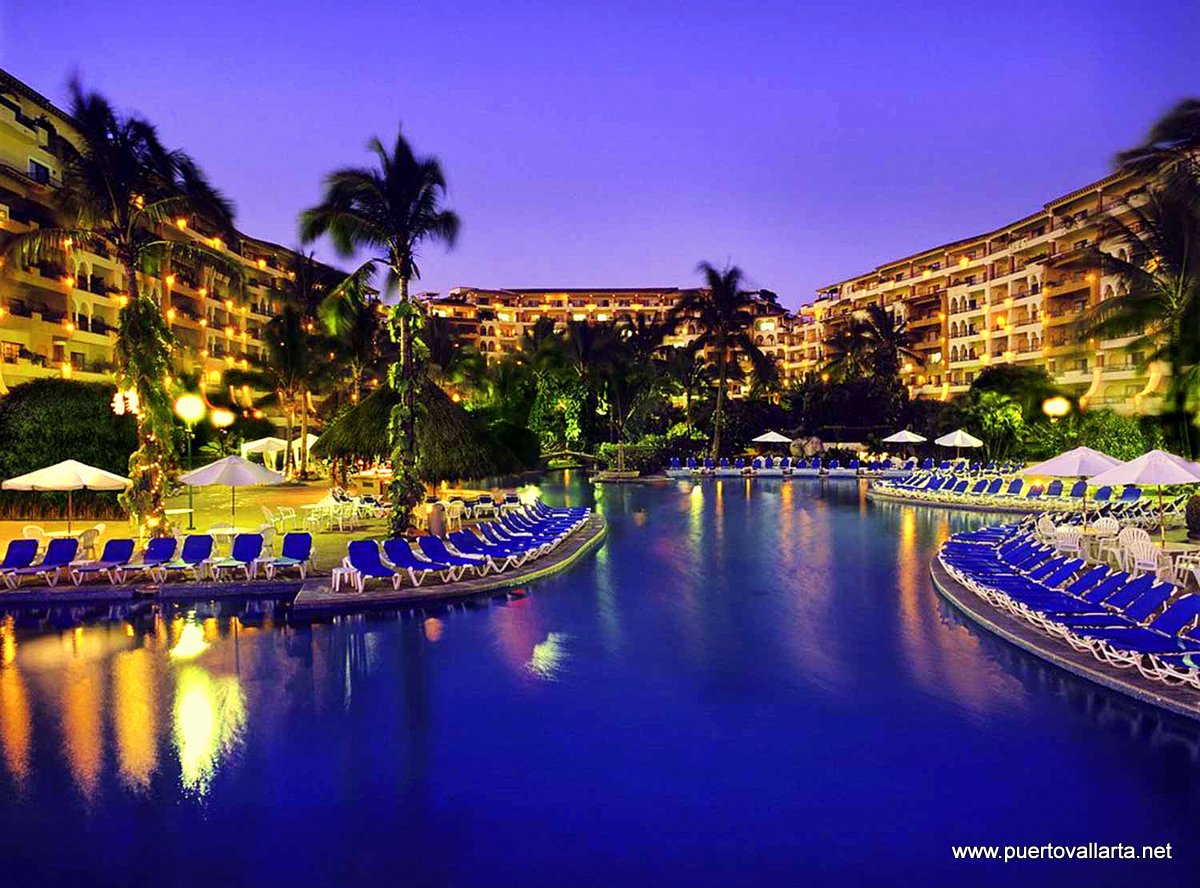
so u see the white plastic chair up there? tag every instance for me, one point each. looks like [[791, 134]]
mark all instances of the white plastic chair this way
[[1046, 529], [1143, 556], [1126, 538], [1069, 540]]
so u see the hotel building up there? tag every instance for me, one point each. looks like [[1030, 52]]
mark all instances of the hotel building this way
[[494, 321], [59, 318], [1012, 295]]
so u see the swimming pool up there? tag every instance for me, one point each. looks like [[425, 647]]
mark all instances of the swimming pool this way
[[749, 681]]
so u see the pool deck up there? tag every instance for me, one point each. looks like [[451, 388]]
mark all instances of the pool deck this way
[[65, 594], [317, 598], [1180, 699]]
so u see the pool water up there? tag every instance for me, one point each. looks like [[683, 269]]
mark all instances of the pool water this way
[[750, 683]]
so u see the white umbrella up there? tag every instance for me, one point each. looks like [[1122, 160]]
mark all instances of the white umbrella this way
[[958, 438], [1082, 462], [1154, 468], [68, 475], [905, 437], [233, 472], [772, 438]]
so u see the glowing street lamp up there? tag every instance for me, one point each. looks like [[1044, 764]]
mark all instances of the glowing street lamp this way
[[1056, 407], [191, 409]]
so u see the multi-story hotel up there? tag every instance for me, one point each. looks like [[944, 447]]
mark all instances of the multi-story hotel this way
[[59, 318], [1009, 296], [494, 321]]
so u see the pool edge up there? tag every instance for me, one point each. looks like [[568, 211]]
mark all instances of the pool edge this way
[[1185, 704]]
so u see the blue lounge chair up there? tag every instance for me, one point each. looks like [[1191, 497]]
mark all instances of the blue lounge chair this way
[[295, 553], [243, 555], [19, 554], [60, 552], [193, 559], [116, 555], [435, 550], [158, 552], [468, 544], [400, 556], [364, 563]]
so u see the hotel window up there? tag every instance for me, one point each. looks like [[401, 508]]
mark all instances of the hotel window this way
[[10, 352], [39, 172], [76, 360]]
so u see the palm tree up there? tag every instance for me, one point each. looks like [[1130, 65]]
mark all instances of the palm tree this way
[[721, 310], [451, 361], [1173, 137], [122, 190], [391, 208], [1160, 302], [875, 343], [687, 369], [352, 315]]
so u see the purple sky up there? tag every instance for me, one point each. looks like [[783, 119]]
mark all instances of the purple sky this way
[[619, 143]]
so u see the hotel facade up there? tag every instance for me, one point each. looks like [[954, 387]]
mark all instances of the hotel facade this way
[[59, 318], [1013, 295]]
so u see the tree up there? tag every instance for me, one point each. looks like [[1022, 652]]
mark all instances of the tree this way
[[122, 190], [721, 311], [875, 343], [452, 363], [1160, 300], [1028, 386], [391, 208], [353, 318], [1172, 138], [686, 368], [996, 418]]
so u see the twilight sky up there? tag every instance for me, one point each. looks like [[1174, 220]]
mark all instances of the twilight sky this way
[[619, 143]]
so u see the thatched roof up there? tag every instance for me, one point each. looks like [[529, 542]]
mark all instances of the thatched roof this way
[[451, 443]]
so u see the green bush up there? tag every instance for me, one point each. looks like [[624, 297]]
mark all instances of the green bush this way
[[48, 420], [1125, 437], [649, 454]]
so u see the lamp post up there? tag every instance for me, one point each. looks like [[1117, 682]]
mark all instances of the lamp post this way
[[1056, 407], [190, 408]]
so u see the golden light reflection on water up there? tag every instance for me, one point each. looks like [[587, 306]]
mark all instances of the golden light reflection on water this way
[[82, 696], [16, 728], [209, 720], [945, 660], [135, 718]]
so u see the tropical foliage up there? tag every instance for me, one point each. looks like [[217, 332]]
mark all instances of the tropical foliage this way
[[721, 311], [391, 209], [122, 192]]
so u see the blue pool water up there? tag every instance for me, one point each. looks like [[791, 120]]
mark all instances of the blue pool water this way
[[748, 683]]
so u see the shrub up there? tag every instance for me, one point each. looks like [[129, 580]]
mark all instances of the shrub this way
[[48, 420], [1193, 517], [649, 454]]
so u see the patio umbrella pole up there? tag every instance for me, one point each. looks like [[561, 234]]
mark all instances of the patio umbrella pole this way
[[233, 505], [1162, 521], [69, 509]]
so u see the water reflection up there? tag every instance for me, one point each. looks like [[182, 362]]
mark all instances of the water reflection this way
[[209, 717], [768, 634]]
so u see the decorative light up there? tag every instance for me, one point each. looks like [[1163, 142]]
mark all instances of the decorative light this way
[[68, 243], [123, 300], [222, 418], [203, 291], [229, 332], [170, 314], [170, 279], [1056, 407], [66, 369], [962, 263], [190, 408], [262, 263], [69, 280], [203, 322], [70, 326], [181, 223]]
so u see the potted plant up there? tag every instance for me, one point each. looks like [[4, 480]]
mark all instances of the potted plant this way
[[1192, 516]]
